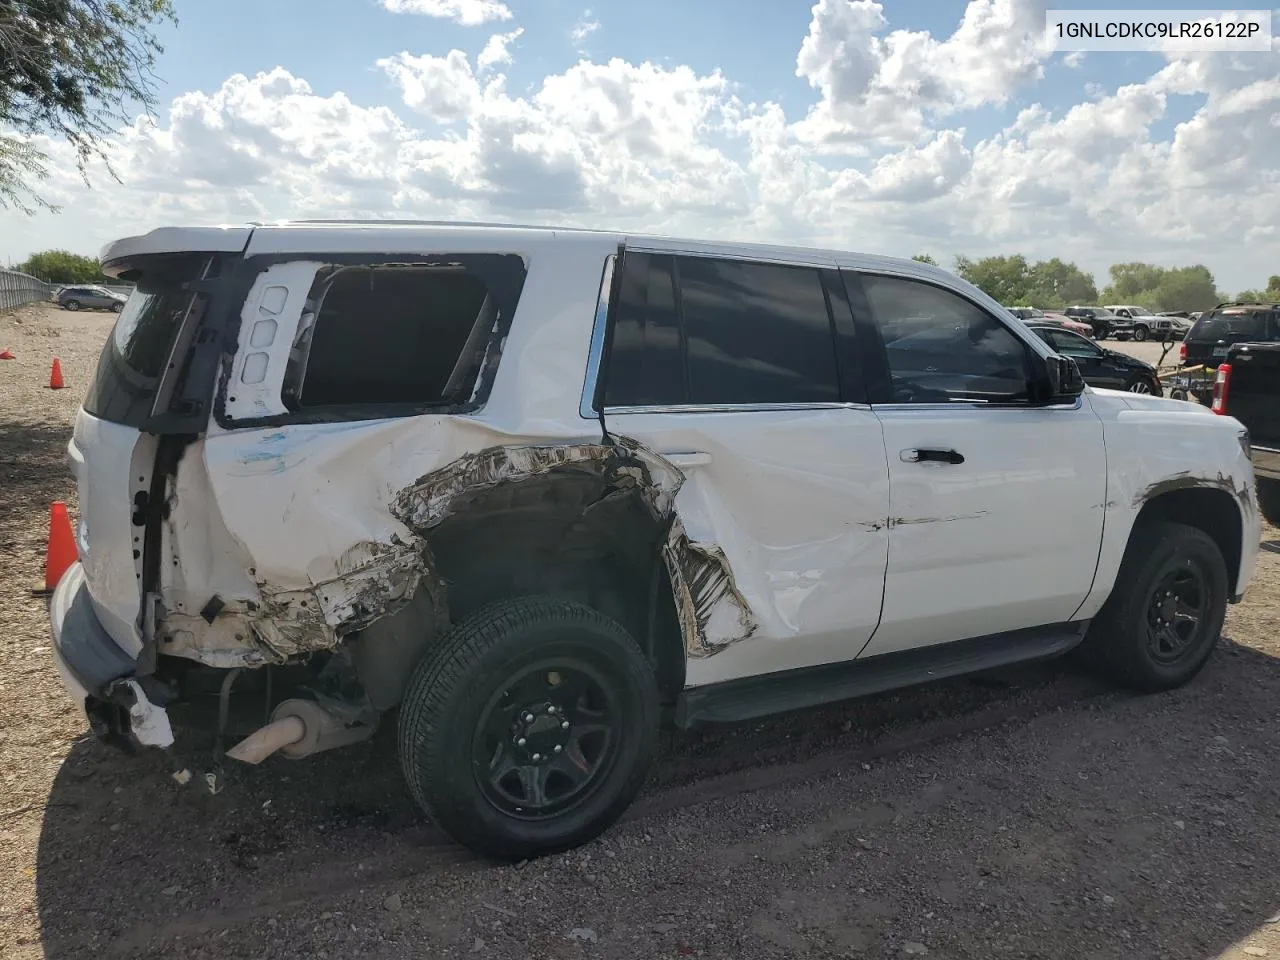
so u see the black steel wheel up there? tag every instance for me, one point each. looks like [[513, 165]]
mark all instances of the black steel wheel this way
[[545, 740], [529, 728], [1166, 609]]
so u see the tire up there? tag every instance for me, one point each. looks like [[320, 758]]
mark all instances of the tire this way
[[1120, 642], [1141, 334], [455, 727], [117, 307], [1099, 333], [1140, 384], [1269, 501], [71, 305]]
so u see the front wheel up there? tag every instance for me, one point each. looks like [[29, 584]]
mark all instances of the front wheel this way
[[1269, 500], [1166, 609], [72, 305], [1141, 385], [1141, 334], [530, 728]]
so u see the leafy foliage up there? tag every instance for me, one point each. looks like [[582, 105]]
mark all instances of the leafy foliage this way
[[70, 69], [1013, 281], [924, 258], [62, 266], [1162, 288]]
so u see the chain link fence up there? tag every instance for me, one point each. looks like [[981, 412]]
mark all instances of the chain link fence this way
[[19, 288]]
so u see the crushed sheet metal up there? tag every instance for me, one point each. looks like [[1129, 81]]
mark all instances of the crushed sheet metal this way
[[710, 608], [377, 579], [712, 612]]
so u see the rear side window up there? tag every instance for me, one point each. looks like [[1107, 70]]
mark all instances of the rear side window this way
[[390, 334], [709, 331]]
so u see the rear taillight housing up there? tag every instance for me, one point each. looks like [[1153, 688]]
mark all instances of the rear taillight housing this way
[[1221, 387], [1182, 352]]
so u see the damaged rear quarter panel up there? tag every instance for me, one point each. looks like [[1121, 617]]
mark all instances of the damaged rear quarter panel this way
[[356, 529]]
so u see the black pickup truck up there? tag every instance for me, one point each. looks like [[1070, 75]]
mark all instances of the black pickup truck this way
[[1247, 387]]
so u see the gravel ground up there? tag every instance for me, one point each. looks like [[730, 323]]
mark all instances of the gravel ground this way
[[1034, 814]]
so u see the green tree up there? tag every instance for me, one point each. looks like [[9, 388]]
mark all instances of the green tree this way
[[924, 258], [72, 69], [63, 266], [1015, 282], [1251, 295], [1162, 288], [1055, 284]]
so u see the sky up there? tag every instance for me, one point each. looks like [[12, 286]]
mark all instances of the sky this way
[[898, 127]]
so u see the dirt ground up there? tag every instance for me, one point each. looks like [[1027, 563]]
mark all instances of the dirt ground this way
[[1033, 814]]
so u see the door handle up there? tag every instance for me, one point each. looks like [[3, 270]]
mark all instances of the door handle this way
[[690, 459], [931, 455]]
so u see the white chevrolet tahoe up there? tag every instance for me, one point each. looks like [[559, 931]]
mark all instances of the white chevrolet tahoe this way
[[543, 489]]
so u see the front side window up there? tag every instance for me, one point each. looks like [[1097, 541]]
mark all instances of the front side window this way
[[1069, 344], [942, 348], [710, 331]]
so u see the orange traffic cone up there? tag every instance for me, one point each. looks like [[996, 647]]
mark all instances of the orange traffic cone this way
[[61, 552], [55, 377], [7, 354]]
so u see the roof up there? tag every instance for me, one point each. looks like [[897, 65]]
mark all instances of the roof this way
[[291, 236]]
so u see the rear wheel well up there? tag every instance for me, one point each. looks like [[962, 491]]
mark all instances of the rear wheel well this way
[[1210, 509], [573, 535]]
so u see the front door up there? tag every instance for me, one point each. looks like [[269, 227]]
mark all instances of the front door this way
[[1097, 368], [742, 374], [996, 505]]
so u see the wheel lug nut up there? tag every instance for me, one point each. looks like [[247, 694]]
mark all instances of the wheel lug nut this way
[[551, 710], [537, 756], [564, 724], [521, 742], [558, 748], [528, 718]]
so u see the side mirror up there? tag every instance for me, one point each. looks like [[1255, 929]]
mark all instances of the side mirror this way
[[1064, 380]]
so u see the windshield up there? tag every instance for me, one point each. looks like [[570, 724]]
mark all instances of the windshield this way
[[1233, 324]]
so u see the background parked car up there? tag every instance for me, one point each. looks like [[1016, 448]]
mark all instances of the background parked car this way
[[89, 297], [1213, 334], [1101, 368], [1147, 324], [1032, 315], [1103, 321]]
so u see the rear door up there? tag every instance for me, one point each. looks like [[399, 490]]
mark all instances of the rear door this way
[[973, 549], [743, 373], [150, 393]]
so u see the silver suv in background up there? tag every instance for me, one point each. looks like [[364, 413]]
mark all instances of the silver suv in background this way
[[89, 298]]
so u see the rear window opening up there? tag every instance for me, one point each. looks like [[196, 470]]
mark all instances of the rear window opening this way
[[391, 334], [142, 343]]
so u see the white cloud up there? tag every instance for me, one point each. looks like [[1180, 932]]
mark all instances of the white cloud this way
[[497, 50], [882, 89], [584, 28], [667, 148], [469, 13]]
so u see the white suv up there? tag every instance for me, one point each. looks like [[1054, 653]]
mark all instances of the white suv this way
[[540, 488]]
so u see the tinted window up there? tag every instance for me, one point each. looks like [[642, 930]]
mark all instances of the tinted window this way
[[941, 347], [646, 366], [1067, 343], [757, 333], [1236, 325], [393, 333], [709, 331]]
